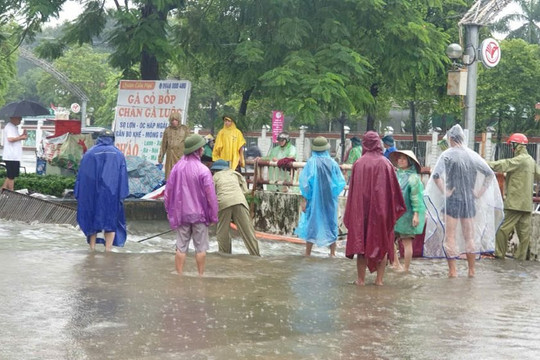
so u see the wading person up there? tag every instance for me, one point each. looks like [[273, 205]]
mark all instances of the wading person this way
[[172, 142], [412, 222], [191, 203], [320, 183], [229, 145], [464, 205], [374, 204], [12, 153], [100, 190], [521, 171], [230, 188]]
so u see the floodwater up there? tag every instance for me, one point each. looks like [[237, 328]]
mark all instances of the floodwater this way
[[60, 301]]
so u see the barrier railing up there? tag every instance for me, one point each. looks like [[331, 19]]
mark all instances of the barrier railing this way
[[266, 172]]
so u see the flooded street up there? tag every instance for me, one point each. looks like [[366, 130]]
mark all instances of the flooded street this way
[[60, 301]]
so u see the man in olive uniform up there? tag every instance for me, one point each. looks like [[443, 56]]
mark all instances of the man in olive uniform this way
[[521, 170], [230, 189]]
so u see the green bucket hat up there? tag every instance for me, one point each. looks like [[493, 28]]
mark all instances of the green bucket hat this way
[[193, 142], [220, 165], [320, 144]]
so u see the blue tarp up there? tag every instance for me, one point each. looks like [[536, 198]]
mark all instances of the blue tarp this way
[[143, 176]]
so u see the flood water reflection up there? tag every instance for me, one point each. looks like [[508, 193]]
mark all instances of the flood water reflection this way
[[60, 301]]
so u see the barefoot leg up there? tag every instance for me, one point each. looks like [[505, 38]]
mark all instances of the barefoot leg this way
[[380, 271], [361, 269]]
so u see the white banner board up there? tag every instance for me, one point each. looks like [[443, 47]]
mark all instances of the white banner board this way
[[142, 114]]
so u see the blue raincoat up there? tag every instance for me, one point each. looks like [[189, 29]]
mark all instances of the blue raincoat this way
[[101, 187], [320, 183]]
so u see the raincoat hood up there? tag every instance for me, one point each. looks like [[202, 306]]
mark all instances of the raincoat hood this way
[[105, 140], [371, 142], [457, 135]]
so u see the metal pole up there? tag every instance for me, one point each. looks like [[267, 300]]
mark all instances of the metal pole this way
[[470, 98], [342, 120], [84, 120]]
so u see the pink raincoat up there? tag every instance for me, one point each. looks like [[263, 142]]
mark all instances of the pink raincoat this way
[[190, 197]]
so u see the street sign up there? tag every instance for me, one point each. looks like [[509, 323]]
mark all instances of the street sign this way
[[75, 108], [490, 52]]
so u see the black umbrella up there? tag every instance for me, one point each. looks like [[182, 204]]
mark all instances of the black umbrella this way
[[23, 108]]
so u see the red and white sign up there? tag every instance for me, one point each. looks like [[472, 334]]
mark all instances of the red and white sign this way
[[75, 108], [142, 114], [277, 124], [490, 53]]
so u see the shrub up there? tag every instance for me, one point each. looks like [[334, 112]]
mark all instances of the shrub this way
[[43, 184]]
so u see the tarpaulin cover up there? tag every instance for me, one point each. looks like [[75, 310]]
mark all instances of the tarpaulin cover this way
[[66, 151], [143, 176], [100, 189]]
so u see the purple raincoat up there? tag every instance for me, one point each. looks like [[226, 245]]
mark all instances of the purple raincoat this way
[[190, 197]]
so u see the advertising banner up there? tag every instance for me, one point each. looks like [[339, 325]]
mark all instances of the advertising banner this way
[[277, 124], [142, 114]]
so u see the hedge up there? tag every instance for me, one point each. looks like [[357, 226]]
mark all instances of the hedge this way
[[43, 184]]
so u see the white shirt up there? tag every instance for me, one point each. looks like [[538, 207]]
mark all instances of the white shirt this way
[[12, 150]]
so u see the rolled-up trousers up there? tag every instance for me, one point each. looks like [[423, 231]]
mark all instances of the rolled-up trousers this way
[[239, 214]]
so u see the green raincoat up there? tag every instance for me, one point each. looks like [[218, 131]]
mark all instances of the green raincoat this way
[[413, 193]]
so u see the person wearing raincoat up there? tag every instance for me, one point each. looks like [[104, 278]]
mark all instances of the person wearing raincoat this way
[[100, 189], [354, 153], [172, 142], [374, 204], [412, 222], [284, 150], [229, 144], [320, 183], [521, 171], [191, 203], [463, 203], [207, 149], [389, 145]]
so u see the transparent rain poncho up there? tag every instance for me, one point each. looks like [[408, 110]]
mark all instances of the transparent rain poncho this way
[[464, 206], [320, 182]]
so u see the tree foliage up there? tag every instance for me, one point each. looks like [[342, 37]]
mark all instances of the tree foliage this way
[[7, 62], [528, 16], [507, 94], [139, 35], [88, 70]]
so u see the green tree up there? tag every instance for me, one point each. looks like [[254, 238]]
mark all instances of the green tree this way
[[508, 93], [88, 70], [7, 63], [139, 34], [528, 16]]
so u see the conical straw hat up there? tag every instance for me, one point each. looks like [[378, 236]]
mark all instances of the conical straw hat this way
[[410, 155]]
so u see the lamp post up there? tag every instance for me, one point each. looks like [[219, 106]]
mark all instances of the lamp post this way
[[342, 120], [456, 79], [472, 71]]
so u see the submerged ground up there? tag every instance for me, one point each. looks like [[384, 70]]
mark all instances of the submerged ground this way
[[59, 301]]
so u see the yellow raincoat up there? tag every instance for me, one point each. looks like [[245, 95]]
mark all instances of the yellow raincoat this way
[[229, 142]]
